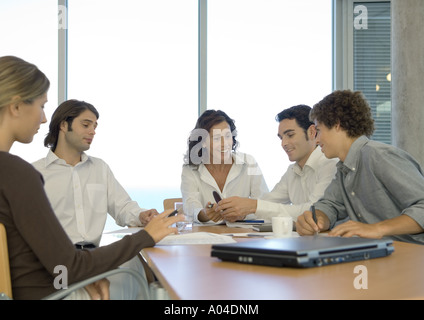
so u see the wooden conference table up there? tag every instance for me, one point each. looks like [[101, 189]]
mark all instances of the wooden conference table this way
[[188, 272]]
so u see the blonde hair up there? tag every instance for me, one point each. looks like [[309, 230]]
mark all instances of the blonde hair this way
[[22, 79]]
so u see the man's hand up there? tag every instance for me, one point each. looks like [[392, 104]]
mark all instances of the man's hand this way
[[305, 224], [99, 290], [146, 216], [355, 228]]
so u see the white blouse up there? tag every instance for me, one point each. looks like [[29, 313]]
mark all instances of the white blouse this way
[[245, 179]]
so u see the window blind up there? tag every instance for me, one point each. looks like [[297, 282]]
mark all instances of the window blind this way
[[372, 62]]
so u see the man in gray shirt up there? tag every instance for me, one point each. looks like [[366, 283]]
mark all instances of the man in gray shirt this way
[[379, 187]]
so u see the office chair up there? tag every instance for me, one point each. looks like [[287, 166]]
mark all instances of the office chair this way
[[6, 285], [170, 203], [64, 292], [5, 282]]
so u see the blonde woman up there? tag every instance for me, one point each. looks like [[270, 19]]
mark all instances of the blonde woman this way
[[36, 241]]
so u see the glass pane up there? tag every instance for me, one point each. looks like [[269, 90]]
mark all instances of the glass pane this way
[[136, 62], [265, 56], [29, 30], [372, 62]]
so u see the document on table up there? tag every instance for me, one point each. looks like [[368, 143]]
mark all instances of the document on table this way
[[251, 224], [112, 236], [265, 235], [195, 238], [125, 231], [172, 239]]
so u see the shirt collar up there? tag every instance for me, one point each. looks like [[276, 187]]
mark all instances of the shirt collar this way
[[53, 158], [352, 159], [312, 162], [239, 158]]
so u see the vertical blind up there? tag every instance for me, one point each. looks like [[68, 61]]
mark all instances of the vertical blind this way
[[372, 62]]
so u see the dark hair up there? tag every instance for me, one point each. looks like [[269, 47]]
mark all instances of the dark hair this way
[[300, 113], [205, 122], [67, 111], [349, 109]]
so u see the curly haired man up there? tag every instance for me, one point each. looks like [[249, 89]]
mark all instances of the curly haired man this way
[[378, 187]]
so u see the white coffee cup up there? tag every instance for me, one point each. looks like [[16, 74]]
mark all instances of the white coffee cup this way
[[282, 227]]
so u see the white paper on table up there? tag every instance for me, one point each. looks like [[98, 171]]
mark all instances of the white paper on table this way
[[113, 236], [173, 239], [249, 234], [195, 238], [242, 225], [125, 230]]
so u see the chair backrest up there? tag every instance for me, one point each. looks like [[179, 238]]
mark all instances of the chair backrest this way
[[170, 203], [5, 282]]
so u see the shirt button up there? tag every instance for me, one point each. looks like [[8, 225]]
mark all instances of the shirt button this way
[[353, 194], [353, 169]]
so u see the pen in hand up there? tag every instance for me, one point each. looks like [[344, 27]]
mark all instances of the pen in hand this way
[[174, 213], [314, 216]]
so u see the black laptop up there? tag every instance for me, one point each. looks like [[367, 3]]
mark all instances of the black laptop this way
[[303, 252]]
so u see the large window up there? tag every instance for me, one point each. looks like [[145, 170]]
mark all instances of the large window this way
[[29, 31], [263, 57], [136, 62]]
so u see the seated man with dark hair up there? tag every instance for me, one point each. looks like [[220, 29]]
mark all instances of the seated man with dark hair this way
[[304, 181]]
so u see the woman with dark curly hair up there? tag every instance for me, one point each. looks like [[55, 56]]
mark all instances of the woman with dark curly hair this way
[[377, 186], [212, 163]]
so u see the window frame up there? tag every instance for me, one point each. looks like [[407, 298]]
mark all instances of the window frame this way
[[343, 43], [202, 53], [343, 50]]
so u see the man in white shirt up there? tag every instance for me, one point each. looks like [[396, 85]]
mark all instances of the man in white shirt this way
[[82, 189], [304, 181]]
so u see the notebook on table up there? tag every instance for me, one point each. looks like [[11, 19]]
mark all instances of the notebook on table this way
[[303, 252]]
